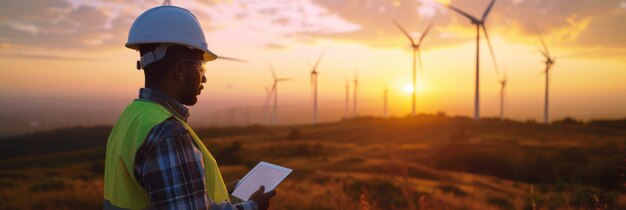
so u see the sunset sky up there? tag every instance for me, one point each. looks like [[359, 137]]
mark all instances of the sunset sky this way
[[73, 51]]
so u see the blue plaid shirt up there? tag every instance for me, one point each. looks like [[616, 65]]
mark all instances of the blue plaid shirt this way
[[169, 166]]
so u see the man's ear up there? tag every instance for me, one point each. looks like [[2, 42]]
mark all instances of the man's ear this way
[[179, 70]]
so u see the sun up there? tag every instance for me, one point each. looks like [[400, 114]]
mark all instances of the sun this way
[[409, 88]]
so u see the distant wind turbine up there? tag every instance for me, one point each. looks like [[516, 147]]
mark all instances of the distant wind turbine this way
[[385, 93], [502, 88], [480, 23], [274, 92], [314, 87], [346, 111], [549, 62], [167, 2], [416, 50], [356, 88]]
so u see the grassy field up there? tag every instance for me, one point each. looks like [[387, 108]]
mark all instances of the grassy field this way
[[427, 162]]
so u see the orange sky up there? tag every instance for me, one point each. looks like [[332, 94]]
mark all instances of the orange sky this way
[[75, 50]]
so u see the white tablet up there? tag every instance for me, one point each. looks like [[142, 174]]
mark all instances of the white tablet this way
[[266, 174]]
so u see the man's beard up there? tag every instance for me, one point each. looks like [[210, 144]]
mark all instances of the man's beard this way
[[190, 93]]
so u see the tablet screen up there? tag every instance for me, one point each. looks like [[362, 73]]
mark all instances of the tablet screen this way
[[266, 174]]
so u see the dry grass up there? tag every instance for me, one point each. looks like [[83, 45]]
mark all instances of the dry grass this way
[[419, 164]]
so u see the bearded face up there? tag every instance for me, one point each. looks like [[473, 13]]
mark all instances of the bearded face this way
[[194, 78]]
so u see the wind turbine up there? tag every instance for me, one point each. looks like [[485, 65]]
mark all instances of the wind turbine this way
[[502, 88], [385, 93], [480, 23], [274, 92], [549, 62], [416, 50], [231, 59], [314, 87], [346, 111], [167, 2], [356, 88]]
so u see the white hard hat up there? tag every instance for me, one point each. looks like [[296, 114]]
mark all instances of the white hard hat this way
[[167, 25]]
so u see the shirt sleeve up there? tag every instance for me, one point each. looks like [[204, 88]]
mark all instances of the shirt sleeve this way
[[172, 171]]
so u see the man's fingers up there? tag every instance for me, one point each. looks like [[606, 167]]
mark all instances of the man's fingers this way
[[271, 193], [262, 188]]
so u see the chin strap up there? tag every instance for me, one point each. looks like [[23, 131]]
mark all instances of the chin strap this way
[[153, 56]]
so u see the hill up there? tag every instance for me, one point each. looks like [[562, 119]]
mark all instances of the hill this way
[[427, 162]]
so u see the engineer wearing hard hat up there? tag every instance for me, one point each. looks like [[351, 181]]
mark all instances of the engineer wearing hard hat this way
[[154, 160]]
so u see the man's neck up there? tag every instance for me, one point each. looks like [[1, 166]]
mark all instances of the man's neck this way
[[163, 88]]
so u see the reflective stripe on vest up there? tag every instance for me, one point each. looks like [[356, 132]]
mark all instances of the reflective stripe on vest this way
[[121, 189]]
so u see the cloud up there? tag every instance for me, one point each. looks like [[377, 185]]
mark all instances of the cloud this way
[[67, 26], [575, 22], [58, 25], [97, 25], [48, 57], [275, 46]]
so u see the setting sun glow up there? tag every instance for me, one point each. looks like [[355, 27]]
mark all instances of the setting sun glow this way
[[409, 88]]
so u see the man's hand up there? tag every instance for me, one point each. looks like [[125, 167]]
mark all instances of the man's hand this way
[[230, 187], [261, 198]]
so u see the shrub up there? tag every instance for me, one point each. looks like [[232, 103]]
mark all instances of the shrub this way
[[501, 202], [294, 134], [382, 193], [7, 183], [229, 155], [452, 190], [592, 198], [51, 184]]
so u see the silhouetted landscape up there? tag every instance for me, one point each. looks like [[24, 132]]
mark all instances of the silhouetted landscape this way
[[426, 162]]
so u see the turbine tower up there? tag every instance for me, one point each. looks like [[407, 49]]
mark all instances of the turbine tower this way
[[502, 88], [416, 52], [356, 88], [549, 62], [480, 23], [385, 94], [266, 108], [346, 111], [314, 87], [274, 92], [167, 2]]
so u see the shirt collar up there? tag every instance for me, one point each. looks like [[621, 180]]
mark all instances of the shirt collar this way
[[166, 101]]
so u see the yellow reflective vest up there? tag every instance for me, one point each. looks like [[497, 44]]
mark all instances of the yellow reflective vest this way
[[121, 188]]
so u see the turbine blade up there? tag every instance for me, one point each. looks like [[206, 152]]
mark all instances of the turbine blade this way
[[493, 55], [269, 93], [545, 47], [488, 9], [272, 70], [283, 79], [232, 59], [318, 61], [404, 32], [545, 55], [424, 34], [472, 18]]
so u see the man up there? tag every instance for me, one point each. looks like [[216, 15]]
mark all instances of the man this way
[[154, 160]]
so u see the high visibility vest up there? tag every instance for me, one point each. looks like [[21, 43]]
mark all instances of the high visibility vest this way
[[121, 188]]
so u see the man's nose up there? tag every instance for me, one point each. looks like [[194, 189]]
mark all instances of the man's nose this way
[[203, 79]]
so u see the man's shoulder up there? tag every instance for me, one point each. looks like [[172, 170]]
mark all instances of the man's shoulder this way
[[170, 127]]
